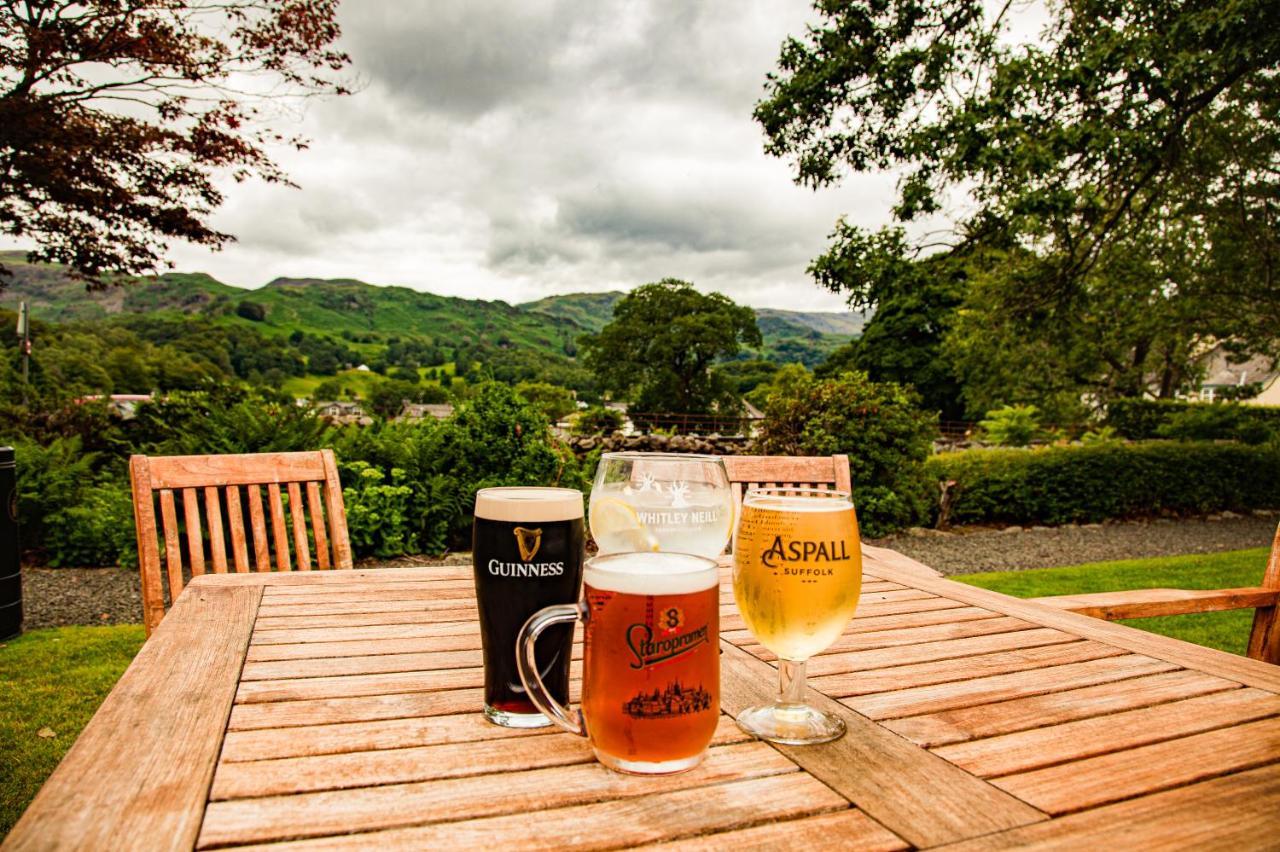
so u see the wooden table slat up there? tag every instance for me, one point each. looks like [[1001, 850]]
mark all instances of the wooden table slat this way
[[913, 793], [987, 690], [1039, 747], [930, 652], [657, 816], [1106, 778], [344, 737], [405, 764], [1232, 812], [519, 792], [850, 830], [965, 669], [172, 703], [1019, 714]]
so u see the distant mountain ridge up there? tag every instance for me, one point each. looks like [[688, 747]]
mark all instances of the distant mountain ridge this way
[[594, 310], [355, 310]]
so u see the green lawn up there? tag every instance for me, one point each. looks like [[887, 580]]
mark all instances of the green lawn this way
[[52, 681], [1227, 631]]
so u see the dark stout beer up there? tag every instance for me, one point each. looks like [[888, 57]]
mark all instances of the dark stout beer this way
[[527, 546]]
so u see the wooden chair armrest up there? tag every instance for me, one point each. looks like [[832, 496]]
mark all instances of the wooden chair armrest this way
[[1146, 603]]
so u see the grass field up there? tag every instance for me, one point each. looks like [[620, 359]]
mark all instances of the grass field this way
[[1226, 631], [51, 682], [361, 381], [55, 679]]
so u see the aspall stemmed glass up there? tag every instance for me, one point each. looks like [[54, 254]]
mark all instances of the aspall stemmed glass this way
[[661, 502], [797, 575]]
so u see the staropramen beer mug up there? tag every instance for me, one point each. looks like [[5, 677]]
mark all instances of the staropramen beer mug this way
[[797, 576], [651, 660]]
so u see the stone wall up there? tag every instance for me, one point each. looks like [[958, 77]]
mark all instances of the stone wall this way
[[719, 445]]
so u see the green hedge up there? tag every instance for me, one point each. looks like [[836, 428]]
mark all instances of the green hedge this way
[[1057, 485], [1144, 419]]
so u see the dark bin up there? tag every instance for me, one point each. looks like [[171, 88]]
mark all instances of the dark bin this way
[[10, 570]]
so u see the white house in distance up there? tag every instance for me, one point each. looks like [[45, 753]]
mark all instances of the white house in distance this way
[[1221, 375]]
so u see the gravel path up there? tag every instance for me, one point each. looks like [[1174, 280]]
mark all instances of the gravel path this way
[[59, 596], [971, 551]]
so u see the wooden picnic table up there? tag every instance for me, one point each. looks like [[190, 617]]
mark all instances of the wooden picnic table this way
[[341, 708]]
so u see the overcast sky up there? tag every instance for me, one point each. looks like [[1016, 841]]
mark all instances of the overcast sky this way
[[512, 150]]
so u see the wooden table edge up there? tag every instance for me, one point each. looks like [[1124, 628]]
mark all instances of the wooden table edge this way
[[151, 795], [887, 564]]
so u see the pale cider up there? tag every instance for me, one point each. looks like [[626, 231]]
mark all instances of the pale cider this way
[[797, 571]]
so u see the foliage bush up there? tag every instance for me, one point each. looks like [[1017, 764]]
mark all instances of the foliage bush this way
[[1142, 419], [493, 438], [408, 487], [69, 512], [378, 513], [1064, 484], [877, 424], [1012, 425], [1210, 422], [597, 420]]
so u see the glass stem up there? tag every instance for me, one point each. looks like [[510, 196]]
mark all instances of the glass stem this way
[[790, 683]]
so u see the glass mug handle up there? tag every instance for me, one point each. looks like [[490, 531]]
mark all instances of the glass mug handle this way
[[527, 665]]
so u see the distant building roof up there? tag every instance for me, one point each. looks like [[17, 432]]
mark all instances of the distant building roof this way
[[419, 410]]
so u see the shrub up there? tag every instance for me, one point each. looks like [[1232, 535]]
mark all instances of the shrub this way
[[97, 530], [68, 513], [1012, 426], [494, 438], [378, 513], [1057, 485], [224, 419], [877, 424], [1211, 422], [1142, 419], [597, 420]]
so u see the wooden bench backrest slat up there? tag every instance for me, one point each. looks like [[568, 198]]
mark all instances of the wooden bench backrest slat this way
[[261, 555], [213, 510], [195, 539], [215, 482], [235, 520]]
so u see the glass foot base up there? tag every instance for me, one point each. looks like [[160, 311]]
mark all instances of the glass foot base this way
[[791, 724], [640, 767], [515, 720]]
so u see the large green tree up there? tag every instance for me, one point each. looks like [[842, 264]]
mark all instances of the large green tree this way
[[1128, 162], [659, 349]]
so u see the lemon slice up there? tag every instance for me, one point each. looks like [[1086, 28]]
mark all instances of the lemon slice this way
[[618, 529]]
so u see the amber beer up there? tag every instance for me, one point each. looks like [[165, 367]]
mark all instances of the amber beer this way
[[651, 667], [797, 571], [527, 548]]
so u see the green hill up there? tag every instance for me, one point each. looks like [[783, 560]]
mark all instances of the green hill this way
[[536, 337]]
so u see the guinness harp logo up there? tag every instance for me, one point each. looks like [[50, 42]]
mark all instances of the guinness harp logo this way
[[528, 540]]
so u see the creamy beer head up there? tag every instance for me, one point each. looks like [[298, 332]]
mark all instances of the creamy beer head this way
[[651, 573], [521, 503]]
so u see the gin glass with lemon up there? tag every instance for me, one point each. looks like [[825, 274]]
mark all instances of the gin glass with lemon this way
[[661, 502]]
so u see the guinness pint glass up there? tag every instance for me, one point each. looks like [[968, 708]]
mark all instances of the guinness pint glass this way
[[527, 546], [651, 660]]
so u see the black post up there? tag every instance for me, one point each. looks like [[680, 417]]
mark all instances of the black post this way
[[10, 570]]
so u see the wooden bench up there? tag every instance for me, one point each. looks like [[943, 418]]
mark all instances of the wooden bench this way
[[1264, 639]]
